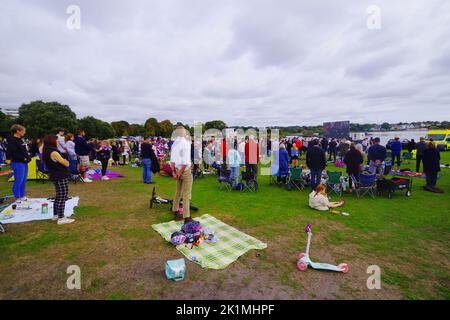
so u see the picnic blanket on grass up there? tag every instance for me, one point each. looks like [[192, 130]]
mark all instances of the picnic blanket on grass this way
[[97, 174], [31, 210], [231, 243]]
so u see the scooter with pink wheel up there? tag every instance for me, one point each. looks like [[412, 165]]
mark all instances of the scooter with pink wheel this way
[[304, 260]]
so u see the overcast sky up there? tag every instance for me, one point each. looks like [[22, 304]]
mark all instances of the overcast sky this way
[[247, 62]]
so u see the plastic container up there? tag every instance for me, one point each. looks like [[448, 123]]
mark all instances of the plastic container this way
[[44, 208]]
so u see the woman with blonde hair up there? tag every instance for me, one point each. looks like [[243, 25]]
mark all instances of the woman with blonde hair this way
[[319, 199]]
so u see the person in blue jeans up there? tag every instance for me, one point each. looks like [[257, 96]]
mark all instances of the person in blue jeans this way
[[234, 161], [17, 152], [148, 156]]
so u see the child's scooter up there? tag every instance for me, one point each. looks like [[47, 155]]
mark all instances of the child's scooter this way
[[304, 260]]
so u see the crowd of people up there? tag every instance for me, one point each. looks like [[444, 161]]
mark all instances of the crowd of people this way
[[67, 155]]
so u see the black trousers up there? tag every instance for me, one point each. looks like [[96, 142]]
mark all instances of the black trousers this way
[[252, 168], [396, 156], [104, 165], [418, 160], [62, 189], [431, 179], [332, 153]]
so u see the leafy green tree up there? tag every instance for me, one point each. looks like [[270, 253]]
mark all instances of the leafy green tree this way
[[152, 127], [41, 118], [215, 124], [4, 128], [136, 130], [385, 126], [166, 128], [120, 128], [96, 128]]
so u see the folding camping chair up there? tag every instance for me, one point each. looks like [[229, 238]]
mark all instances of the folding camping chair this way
[[250, 181], [41, 171], [387, 167], [367, 184], [225, 179], [277, 176], [296, 179], [334, 183], [407, 156]]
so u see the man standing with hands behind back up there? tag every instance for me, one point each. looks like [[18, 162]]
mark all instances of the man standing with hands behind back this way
[[180, 162]]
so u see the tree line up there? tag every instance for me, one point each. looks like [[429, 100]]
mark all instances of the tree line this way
[[41, 118]]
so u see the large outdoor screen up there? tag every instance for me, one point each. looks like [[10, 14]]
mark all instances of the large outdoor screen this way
[[337, 129]]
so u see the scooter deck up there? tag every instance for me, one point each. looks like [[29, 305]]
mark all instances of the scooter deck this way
[[324, 266]]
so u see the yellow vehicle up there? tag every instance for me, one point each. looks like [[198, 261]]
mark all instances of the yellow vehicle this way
[[441, 138]]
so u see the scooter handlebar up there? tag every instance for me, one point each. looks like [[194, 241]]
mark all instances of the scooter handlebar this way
[[308, 228]]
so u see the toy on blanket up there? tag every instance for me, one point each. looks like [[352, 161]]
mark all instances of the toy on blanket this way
[[192, 235]]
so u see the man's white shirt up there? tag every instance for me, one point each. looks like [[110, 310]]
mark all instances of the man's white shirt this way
[[181, 153]]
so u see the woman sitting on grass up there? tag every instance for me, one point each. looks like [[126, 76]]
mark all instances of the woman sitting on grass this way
[[319, 200]]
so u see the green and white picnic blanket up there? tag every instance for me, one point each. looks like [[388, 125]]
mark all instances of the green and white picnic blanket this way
[[231, 243]]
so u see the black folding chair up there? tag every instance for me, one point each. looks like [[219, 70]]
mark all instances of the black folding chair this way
[[250, 181]]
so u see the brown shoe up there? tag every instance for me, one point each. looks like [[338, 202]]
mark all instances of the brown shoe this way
[[186, 220]]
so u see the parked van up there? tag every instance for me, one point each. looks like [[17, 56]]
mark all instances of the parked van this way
[[441, 138]]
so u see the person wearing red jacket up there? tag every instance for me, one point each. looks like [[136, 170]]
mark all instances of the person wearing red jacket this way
[[224, 150], [251, 156]]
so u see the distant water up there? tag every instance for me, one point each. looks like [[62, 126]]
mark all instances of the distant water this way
[[408, 134]]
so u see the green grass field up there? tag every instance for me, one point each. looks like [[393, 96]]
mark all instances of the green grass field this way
[[121, 257]]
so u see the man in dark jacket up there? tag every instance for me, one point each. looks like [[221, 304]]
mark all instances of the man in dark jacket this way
[[17, 153], [332, 149], [83, 149], [420, 147], [376, 155], [431, 167], [316, 162], [324, 144]]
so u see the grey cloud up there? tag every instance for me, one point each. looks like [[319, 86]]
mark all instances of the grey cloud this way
[[254, 62]]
